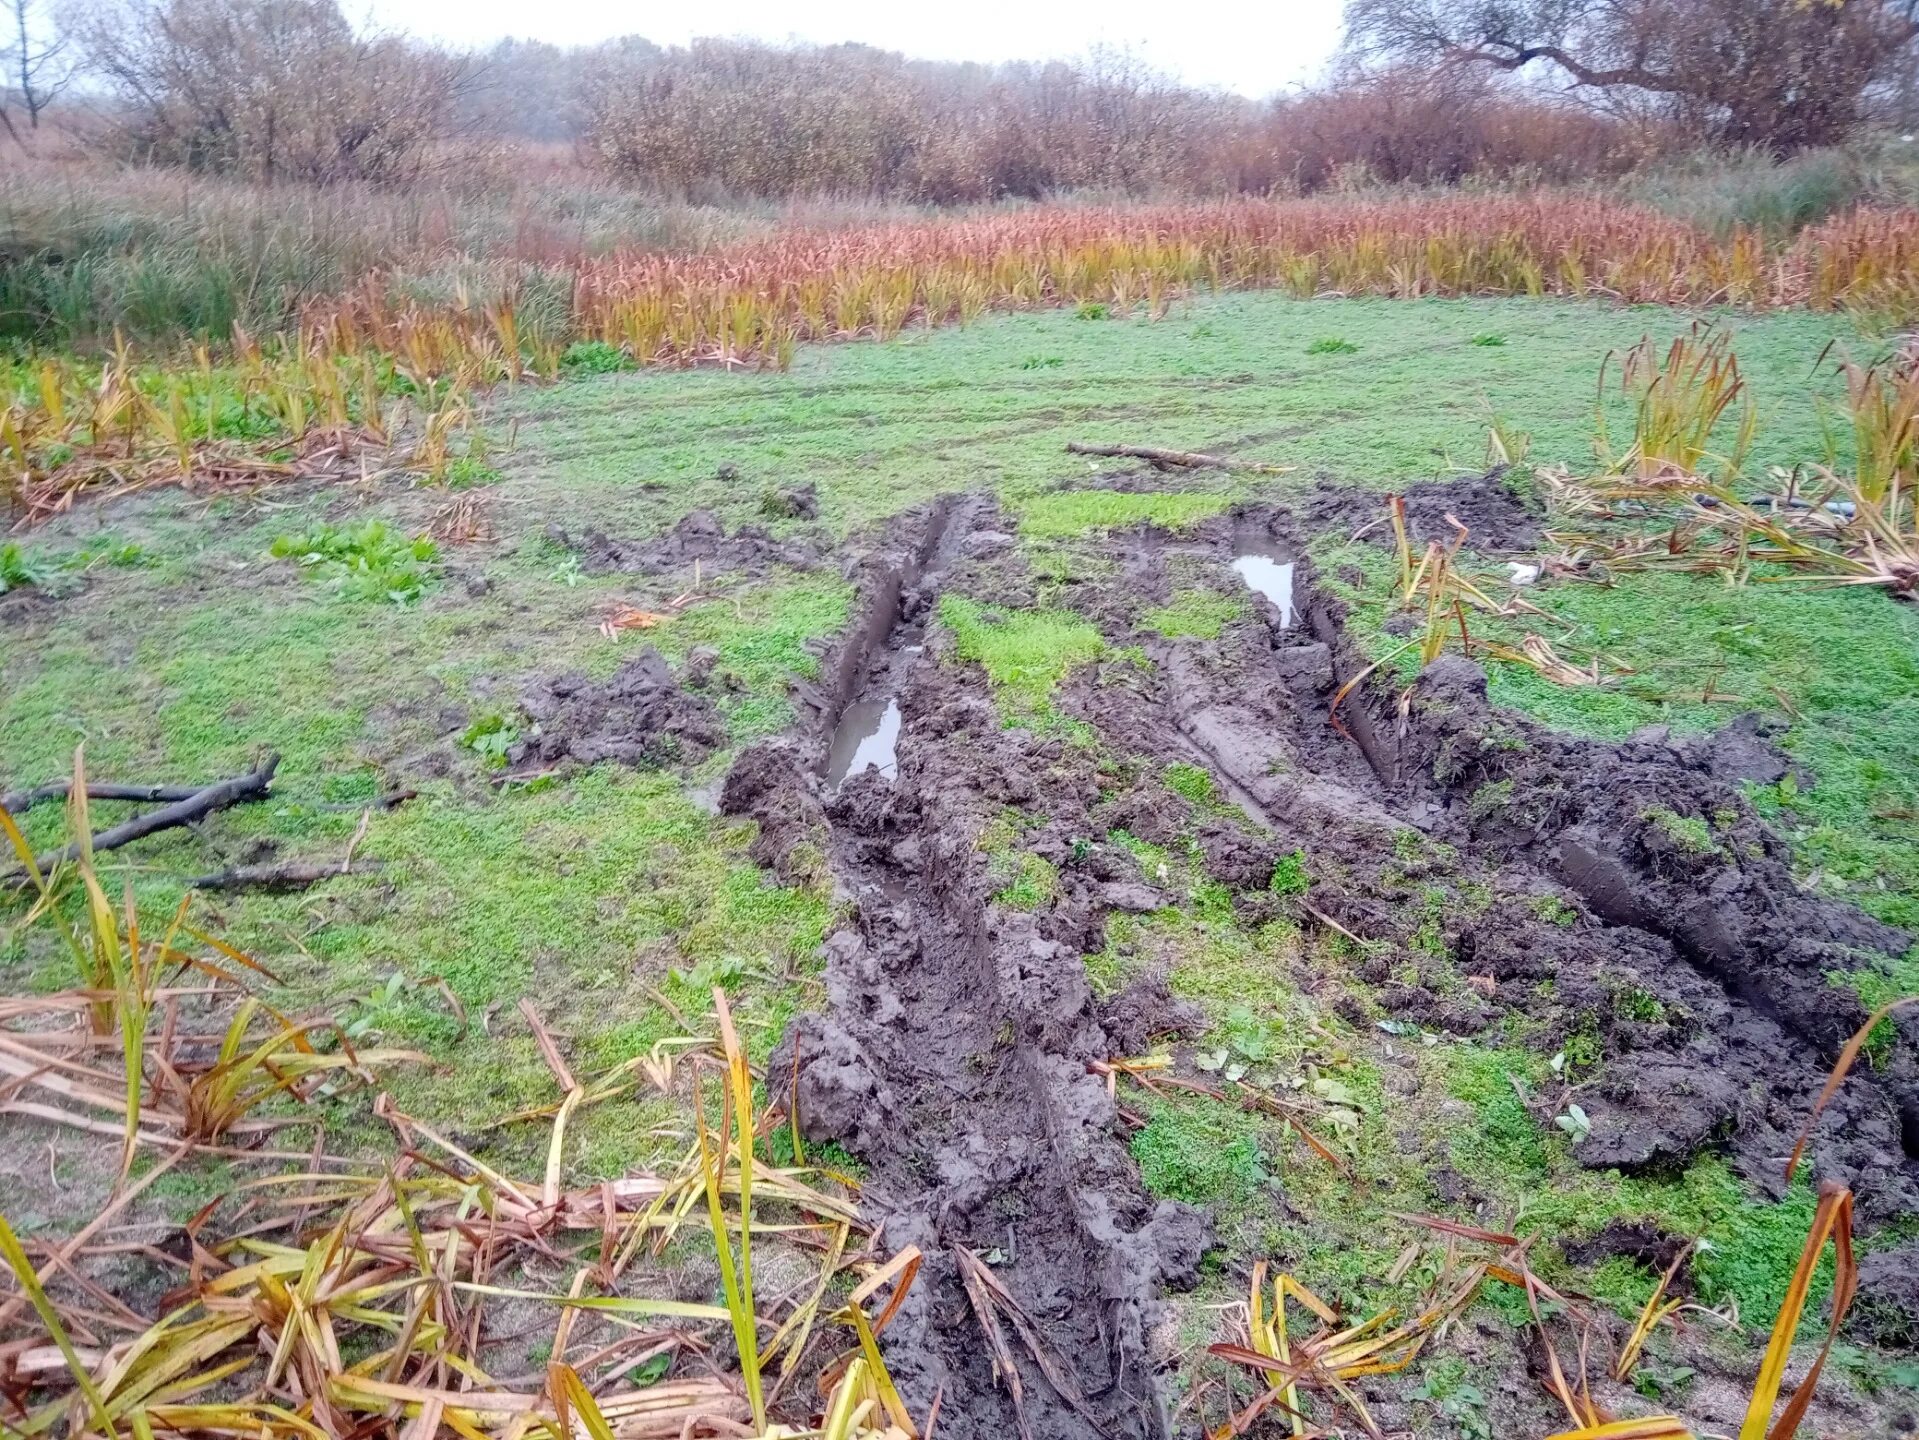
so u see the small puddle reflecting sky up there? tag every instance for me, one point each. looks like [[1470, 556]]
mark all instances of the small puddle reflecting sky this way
[[867, 739], [1267, 566]]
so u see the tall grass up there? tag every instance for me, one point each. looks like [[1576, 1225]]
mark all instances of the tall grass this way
[[338, 370], [161, 255]]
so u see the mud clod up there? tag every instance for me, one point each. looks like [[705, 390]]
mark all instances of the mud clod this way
[[1494, 515], [772, 783], [699, 537], [639, 716], [799, 502]]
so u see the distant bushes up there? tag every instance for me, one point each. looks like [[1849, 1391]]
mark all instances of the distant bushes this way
[[269, 90], [748, 119]]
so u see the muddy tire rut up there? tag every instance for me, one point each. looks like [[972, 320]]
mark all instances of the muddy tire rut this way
[[953, 1055], [1703, 971]]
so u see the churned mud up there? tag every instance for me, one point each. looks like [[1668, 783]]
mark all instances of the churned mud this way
[[640, 715], [953, 1056], [1675, 926], [1624, 892], [698, 540]]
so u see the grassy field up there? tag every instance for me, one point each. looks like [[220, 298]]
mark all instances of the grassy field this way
[[167, 638]]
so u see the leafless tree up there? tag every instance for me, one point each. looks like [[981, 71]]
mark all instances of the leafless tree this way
[[1781, 74], [38, 66], [270, 89]]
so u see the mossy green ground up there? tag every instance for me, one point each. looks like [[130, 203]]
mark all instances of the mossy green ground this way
[[613, 900]]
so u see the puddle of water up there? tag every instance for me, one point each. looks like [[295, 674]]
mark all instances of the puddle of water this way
[[867, 739], [1267, 566]]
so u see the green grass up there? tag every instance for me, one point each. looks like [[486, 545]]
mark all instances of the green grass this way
[[1072, 513], [1688, 832], [369, 561], [1751, 1246], [17, 569], [195, 651], [1025, 652], [1030, 883], [878, 427], [1190, 781], [1200, 1151], [1840, 665], [1195, 614]]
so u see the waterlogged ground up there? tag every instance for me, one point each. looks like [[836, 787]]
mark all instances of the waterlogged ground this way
[[169, 641]]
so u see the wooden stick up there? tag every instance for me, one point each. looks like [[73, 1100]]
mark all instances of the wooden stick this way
[[1173, 459], [218, 796], [20, 800], [288, 875]]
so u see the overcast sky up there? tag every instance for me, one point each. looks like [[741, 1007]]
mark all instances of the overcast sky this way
[[1254, 48]]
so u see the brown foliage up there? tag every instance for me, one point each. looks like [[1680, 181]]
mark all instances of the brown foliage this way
[[741, 118], [269, 90]]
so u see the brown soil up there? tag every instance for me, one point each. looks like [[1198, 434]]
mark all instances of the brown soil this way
[[953, 1055], [640, 715], [700, 539], [1703, 975]]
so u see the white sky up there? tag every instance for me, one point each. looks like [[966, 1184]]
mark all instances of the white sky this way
[[1255, 47]]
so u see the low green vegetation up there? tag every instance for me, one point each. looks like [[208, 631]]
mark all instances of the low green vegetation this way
[[1072, 513], [618, 902], [1202, 1152], [1838, 666], [16, 570], [1688, 832], [1195, 614], [593, 357], [1751, 1245], [1025, 652], [1193, 782], [1333, 345], [1032, 882], [369, 561]]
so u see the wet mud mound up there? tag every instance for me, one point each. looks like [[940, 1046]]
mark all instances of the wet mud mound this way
[[1495, 516], [699, 539], [954, 1051], [1655, 838], [639, 716], [1622, 900]]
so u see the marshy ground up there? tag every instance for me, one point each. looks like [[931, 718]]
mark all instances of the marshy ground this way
[[1463, 945]]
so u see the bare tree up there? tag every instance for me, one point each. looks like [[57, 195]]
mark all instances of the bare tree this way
[[1782, 74], [38, 68], [270, 89]]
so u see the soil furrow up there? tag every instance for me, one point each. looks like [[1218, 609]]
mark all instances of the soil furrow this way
[[953, 1055], [1698, 965]]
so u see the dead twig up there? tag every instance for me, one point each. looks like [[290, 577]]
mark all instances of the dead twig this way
[[218, 796], [288, 875], [1173, 459], [23, 800]]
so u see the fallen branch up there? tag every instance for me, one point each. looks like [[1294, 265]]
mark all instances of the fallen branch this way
[[22, 800], [288, 875], [218, 796], [1173, 459]]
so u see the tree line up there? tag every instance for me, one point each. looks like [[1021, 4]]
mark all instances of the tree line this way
[[1429, 91]]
